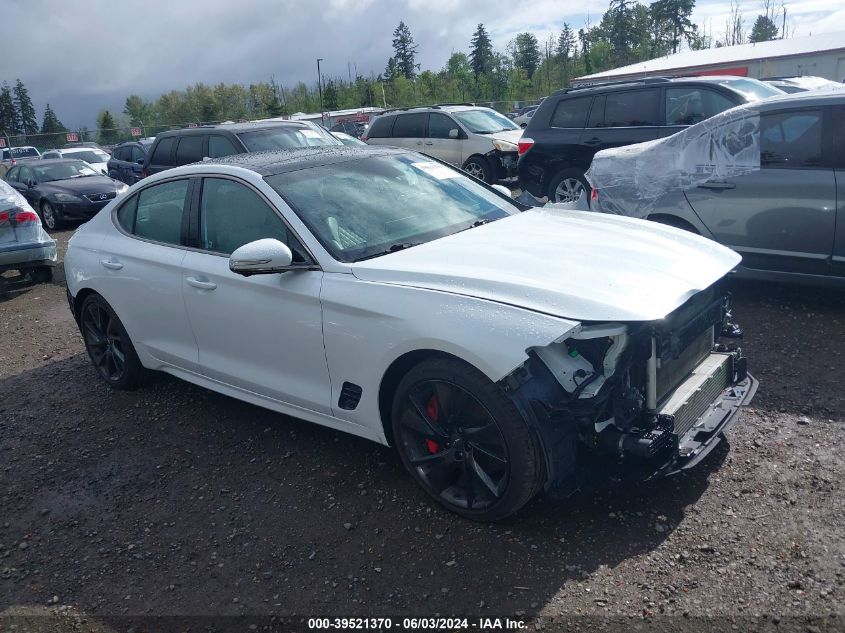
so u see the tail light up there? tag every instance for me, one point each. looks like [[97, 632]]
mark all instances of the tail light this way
[[18, 216], [144, 174], [594, 195], [524, 145]]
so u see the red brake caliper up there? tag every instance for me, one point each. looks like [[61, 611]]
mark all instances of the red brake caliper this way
[[433, 410]]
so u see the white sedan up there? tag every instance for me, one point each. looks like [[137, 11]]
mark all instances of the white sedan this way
[[379, 292]]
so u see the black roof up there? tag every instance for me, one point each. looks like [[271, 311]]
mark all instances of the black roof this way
[[233, 127], [283, 161]]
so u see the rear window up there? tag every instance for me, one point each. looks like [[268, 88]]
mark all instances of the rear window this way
[[163, 154], [286, 137], [410, 125], [24, 152], [571, 113], [189, 150], [380, 128]]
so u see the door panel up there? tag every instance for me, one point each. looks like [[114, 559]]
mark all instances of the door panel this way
[[262, 333], [438, 143], [782, 217]]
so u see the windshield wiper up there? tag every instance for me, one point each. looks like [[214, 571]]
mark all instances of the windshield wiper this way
[[400, 246], [479, 222]]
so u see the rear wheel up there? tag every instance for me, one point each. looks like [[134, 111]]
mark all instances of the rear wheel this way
[[568, 185], [479, 167], [109, 345], [464, 441], [52, 218]]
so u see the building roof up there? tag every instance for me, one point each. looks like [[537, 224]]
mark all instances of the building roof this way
[[710, 57]]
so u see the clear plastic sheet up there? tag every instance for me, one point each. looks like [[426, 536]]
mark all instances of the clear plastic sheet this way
[[631, 179], [21, 235]]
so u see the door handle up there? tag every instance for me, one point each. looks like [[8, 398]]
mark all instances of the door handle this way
[[200, 283], [429, 143], [111, 264], [717, 184], [592, 141], [419, 142]]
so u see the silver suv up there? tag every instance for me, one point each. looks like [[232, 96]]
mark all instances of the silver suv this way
[[479, 140]]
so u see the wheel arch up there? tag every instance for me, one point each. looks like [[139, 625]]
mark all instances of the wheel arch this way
[[674, 221], [81, 295], [393, 376]]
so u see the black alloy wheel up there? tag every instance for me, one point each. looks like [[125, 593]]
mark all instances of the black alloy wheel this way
[[464, 441], [108, 344]]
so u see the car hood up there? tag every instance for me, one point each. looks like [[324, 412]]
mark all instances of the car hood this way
[[511, 136], [570, 264], [88, 184]]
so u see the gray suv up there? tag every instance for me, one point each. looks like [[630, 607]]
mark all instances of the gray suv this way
[[479, 140], [780, 205]]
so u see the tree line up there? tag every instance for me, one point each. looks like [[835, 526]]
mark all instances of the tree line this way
[[522, 71]]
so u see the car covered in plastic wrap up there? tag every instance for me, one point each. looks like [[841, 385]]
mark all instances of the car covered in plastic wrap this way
[[24, 244], [764, 179]]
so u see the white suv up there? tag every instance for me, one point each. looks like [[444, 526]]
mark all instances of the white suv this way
[[479, 140]]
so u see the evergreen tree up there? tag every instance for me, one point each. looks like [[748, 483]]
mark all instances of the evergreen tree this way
[[674, 16], [526, 53], [107, 134], [27, 120], [764, 29], [405, 51], [8, 113], [52, 125], [480, 51], [584, 39], [566, 48], [391, 70]]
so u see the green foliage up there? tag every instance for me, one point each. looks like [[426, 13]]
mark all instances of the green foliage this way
[[764, 29], [330, 96], [405, 51], [672, 18], [27, 120], [526, 53], [9, 122], [480, 52], [107, 126], [53, 129]]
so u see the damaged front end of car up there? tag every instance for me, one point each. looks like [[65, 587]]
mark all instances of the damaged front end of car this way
[[642, 399]]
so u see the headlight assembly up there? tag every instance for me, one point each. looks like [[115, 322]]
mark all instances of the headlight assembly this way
[[67, 197], [505, 146]]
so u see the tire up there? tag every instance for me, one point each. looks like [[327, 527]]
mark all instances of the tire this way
[[51, 218], [108, 345], [479, 167], [464, 441], [41, 274], [568, 184]]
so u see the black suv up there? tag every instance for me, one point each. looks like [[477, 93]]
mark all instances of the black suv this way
[[573, 124], [191, 145]]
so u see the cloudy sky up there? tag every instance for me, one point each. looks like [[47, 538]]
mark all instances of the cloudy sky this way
[[83, 55]]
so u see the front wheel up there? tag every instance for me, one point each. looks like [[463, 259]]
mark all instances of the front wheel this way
[[568, 185], [464, 441], [479, 167], [52, 219], [108, 344]]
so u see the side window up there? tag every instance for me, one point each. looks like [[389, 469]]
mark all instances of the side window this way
[[791, 139], [221, 146], [686, 106], [380, 128], [158, 215], [12, 174], [571, 113], [189, 149], [632, 108], [136, 154], [232, 214], [117, 153], [410, 125], [163, 154], [439, 125], [25, 175], [597, 112], [126, 214]]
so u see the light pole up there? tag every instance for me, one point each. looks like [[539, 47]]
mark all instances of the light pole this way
[[320, 86]]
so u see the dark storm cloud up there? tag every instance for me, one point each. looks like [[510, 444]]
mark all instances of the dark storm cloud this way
[[82, 55]]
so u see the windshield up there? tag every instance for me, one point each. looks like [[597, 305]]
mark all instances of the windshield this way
[[24, 152], [372, 206], [485, 121], [60, 171], [285, 137], [92, 156], [751, 89]]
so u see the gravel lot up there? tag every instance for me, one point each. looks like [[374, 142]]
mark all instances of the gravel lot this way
[[173, 500]]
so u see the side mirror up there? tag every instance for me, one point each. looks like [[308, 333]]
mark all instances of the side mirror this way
[[261, 257], [454, 133], [30, 183], [502, 190]]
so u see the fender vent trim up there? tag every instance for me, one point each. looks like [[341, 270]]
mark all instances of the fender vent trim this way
[[350, 396]]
